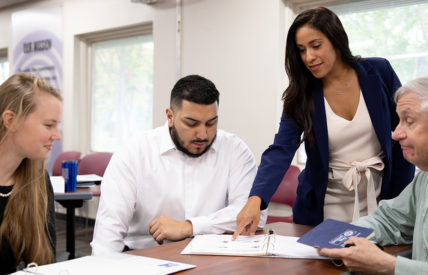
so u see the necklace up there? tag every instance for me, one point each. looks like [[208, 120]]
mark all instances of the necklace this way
[[3, 195], [341, 92]]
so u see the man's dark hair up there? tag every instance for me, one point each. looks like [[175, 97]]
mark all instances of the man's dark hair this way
[[193, 88]]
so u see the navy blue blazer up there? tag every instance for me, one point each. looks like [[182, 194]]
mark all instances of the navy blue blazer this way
[[378, 83]]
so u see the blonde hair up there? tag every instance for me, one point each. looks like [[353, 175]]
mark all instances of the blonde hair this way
[[25, 220]]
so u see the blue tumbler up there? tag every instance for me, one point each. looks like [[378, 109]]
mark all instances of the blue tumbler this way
[[69, 173]]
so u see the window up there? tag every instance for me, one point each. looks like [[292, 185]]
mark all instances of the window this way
[[4, 66], [119, 87], [395, 30], [121, 90]]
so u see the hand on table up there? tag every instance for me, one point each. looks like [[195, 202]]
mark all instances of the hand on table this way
[[249, 217], [363, 256], [164, 228]]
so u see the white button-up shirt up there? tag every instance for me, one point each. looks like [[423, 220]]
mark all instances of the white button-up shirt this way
[[149, 178]]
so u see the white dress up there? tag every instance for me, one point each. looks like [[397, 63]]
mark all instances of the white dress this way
[[355, 165]]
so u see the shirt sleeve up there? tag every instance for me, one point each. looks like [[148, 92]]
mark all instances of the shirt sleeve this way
[[242, 172], [117, 205], [405, 266], [393, 221], [276, 160]]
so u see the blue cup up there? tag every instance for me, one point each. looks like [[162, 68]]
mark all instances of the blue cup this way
[[69, 173]]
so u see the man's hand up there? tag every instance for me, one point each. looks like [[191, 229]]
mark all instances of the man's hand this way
[[164, 228], [249, 217], [363, 256]]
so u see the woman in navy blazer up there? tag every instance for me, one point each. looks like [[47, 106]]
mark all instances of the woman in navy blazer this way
[[311, 67]]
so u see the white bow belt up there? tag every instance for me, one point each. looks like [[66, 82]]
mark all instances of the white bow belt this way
[[352, 178]]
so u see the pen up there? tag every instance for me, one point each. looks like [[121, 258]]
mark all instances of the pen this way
[[352, 244]]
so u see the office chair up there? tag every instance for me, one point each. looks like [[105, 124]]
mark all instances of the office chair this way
[[67, 155], [281, 203], [95, 163]]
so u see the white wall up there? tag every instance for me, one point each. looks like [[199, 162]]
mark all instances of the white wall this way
[[6, 18], [238, 44]]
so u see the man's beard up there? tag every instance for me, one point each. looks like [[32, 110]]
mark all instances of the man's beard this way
[[176, 139]]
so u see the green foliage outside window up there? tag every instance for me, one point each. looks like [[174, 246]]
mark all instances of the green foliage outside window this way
[[122, 91], [399, 34]]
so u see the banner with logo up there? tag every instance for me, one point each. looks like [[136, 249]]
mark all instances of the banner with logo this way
[[37, 49]]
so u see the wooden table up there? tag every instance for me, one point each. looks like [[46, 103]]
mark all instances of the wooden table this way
[[250, 265]]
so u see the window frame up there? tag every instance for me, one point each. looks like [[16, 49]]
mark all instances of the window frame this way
[[83, 73], [301, 5], [4, 53]]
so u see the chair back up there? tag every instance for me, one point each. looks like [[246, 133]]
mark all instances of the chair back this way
[[67, 155], [284, 196], [286, 192], [95, 163]]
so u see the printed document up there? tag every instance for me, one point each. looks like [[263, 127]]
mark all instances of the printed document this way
[[269, 245], [116, 263]]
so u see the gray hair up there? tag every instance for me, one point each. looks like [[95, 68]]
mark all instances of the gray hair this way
[[418, 86]]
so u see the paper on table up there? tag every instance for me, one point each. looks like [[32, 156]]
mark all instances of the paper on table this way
[[258, 245], [116, 263], [212, 244], [288, 247], [88, 178], [82, 181], [58, 184]]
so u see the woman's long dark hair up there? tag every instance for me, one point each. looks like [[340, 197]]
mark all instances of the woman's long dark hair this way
[[298, 97]]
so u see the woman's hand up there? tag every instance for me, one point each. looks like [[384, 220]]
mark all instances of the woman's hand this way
[[249, 217]]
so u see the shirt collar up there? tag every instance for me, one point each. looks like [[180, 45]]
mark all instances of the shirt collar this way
[[166, 143]]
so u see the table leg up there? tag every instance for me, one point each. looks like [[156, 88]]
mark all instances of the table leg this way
[[71, 205], [70, 244]]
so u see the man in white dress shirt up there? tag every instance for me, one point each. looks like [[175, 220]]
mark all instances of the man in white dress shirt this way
[[175, 181]]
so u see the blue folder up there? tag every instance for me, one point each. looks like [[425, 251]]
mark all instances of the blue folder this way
[[332, 234]]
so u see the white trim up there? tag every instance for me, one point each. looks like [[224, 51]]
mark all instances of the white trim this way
[[178, 38], [116, 33], [369, 5], [301, 5], [351, 5]]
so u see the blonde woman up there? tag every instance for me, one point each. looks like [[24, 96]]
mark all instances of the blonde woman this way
[[30, 112]]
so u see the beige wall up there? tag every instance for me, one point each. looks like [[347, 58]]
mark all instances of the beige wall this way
[[238, 44]]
